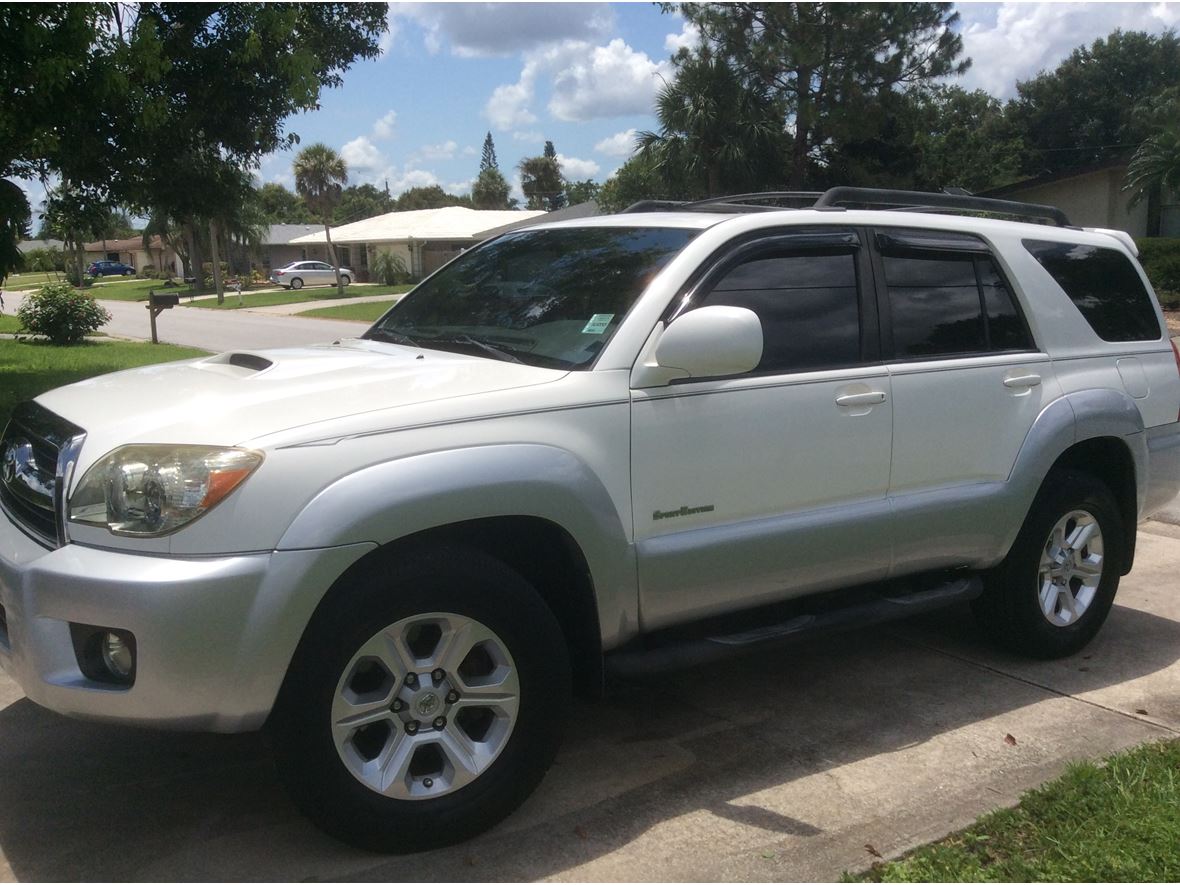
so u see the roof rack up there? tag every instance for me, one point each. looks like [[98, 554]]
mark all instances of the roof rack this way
[[921, 201], [840, 197]]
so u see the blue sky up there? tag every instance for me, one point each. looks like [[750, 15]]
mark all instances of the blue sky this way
[[585, 76]]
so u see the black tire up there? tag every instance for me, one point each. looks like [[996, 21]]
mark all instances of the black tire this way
[[1010, 610], [345, 279], [385, 590], [296, 283]]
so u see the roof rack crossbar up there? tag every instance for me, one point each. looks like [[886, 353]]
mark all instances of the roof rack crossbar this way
[[918, 200]]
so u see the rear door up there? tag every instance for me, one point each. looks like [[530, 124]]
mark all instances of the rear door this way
[[754, 488], [968, 382]]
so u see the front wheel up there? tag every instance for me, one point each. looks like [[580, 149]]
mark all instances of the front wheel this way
[[345, 279], [425, 706], [1055, 589]]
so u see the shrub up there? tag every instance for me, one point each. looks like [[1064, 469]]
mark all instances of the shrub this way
[[1160, 257], [61, 313], [390, 269]]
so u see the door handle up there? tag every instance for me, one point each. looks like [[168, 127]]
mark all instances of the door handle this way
[[1022, 381], [872, 398]]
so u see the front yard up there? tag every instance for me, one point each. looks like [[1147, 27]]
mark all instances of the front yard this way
[[322, 293]]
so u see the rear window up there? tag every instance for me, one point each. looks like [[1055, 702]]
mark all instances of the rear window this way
[[1103, 286]]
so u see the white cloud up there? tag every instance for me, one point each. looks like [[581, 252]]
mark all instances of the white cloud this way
[[1015, 41], [384, 127], [508, 105], [404, 179], [459, 187], [588, 81], [470, 151], [689, 37], [499, 29], [444, 151], [607, 81], [531, 135], [361, 155], [621, 144], [576, 169]]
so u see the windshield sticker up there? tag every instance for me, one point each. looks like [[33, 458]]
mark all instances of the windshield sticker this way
[[598, 323]]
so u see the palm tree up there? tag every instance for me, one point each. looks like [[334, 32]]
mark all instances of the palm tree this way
[[714, 128], [1155, 167], [320, 176]]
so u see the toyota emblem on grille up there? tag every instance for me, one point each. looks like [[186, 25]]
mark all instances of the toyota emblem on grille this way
[[17, 461]]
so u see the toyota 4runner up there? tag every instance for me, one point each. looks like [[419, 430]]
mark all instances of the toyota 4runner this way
[[602, 446]]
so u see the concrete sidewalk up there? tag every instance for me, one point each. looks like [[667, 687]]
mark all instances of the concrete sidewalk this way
[[782, 766]]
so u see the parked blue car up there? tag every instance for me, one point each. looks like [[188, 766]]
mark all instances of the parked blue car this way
[[110, 268]]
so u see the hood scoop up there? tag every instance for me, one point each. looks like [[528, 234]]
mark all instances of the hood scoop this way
[[251, 362]]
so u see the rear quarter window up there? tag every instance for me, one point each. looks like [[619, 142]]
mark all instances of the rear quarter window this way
[[1103, 285]]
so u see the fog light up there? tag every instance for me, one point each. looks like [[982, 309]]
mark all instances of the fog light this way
[[117, 656]]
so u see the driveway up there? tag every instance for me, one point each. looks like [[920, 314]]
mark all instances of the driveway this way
[[793, 765]]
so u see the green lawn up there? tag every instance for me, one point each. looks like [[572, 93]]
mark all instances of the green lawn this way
[[322, 293], [9, 323], [127, 290], [361, 313], [31, 368], [31, 280], [1114, 821]]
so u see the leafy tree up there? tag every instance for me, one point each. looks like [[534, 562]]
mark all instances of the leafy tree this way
[[720, 133], [431, 197], [14, 226], [640, 179], [279, 205], [829, 62], [320, 176], [488, 160], [362, 201], [1089, 109], [1155, 167], [74, 216], [578, 192], [490, 190], [540, 179]]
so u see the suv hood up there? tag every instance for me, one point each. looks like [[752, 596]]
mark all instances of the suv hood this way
[[235, 397]]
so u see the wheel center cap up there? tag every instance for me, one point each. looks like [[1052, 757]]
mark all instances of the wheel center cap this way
[[427, 704]]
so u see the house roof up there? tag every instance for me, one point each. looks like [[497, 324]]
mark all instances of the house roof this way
[[1051, 177], [448, 223], [30, 245], [282, 234], [130, 244], [569, 213]]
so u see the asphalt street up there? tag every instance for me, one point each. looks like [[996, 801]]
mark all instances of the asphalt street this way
[[789, 765]]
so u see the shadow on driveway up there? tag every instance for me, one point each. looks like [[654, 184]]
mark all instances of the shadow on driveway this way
[[711, 746]]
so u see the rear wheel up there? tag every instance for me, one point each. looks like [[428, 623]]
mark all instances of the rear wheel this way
[[1055, 589], [296, 283], [425, 706]]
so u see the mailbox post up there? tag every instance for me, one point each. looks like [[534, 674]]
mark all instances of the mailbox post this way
[[156, 304]]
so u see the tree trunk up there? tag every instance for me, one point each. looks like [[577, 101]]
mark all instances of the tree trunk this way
[[335, 263], [195, 258], [214, 236], [79, 257]]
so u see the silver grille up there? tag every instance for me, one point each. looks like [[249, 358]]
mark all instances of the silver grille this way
[[32, 467]]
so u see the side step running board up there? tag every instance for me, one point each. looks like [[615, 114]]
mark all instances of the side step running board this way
[[691, 652]]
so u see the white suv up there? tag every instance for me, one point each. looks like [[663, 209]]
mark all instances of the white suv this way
[[602, 446]]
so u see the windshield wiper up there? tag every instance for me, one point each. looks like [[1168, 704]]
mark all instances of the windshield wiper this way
[[464, 338]]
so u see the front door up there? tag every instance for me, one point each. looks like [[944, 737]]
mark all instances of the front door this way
[[756, 488]]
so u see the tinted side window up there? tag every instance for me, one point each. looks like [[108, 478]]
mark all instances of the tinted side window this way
[[946, 304], [807, 304], [1103, 286]]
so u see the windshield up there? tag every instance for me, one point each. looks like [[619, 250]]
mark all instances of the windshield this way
[[548, 298]]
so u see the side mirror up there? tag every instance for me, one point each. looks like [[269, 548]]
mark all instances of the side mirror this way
[[710, 342]]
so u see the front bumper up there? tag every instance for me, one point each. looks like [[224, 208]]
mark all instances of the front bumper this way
[[214, 636]]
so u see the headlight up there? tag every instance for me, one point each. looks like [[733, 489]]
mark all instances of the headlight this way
[[154, 490]]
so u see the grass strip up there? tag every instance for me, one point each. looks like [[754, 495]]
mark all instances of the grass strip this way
[[1112, 821], [268, 299], [29, 368], [361, 313]]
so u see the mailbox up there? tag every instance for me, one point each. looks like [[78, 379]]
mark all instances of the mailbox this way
[[164, 301]]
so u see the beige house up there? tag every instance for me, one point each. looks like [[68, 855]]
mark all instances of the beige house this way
[[131, 251], [1094, 197], [425, 239]]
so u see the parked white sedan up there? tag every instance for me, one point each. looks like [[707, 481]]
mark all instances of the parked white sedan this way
[[298, 274]]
